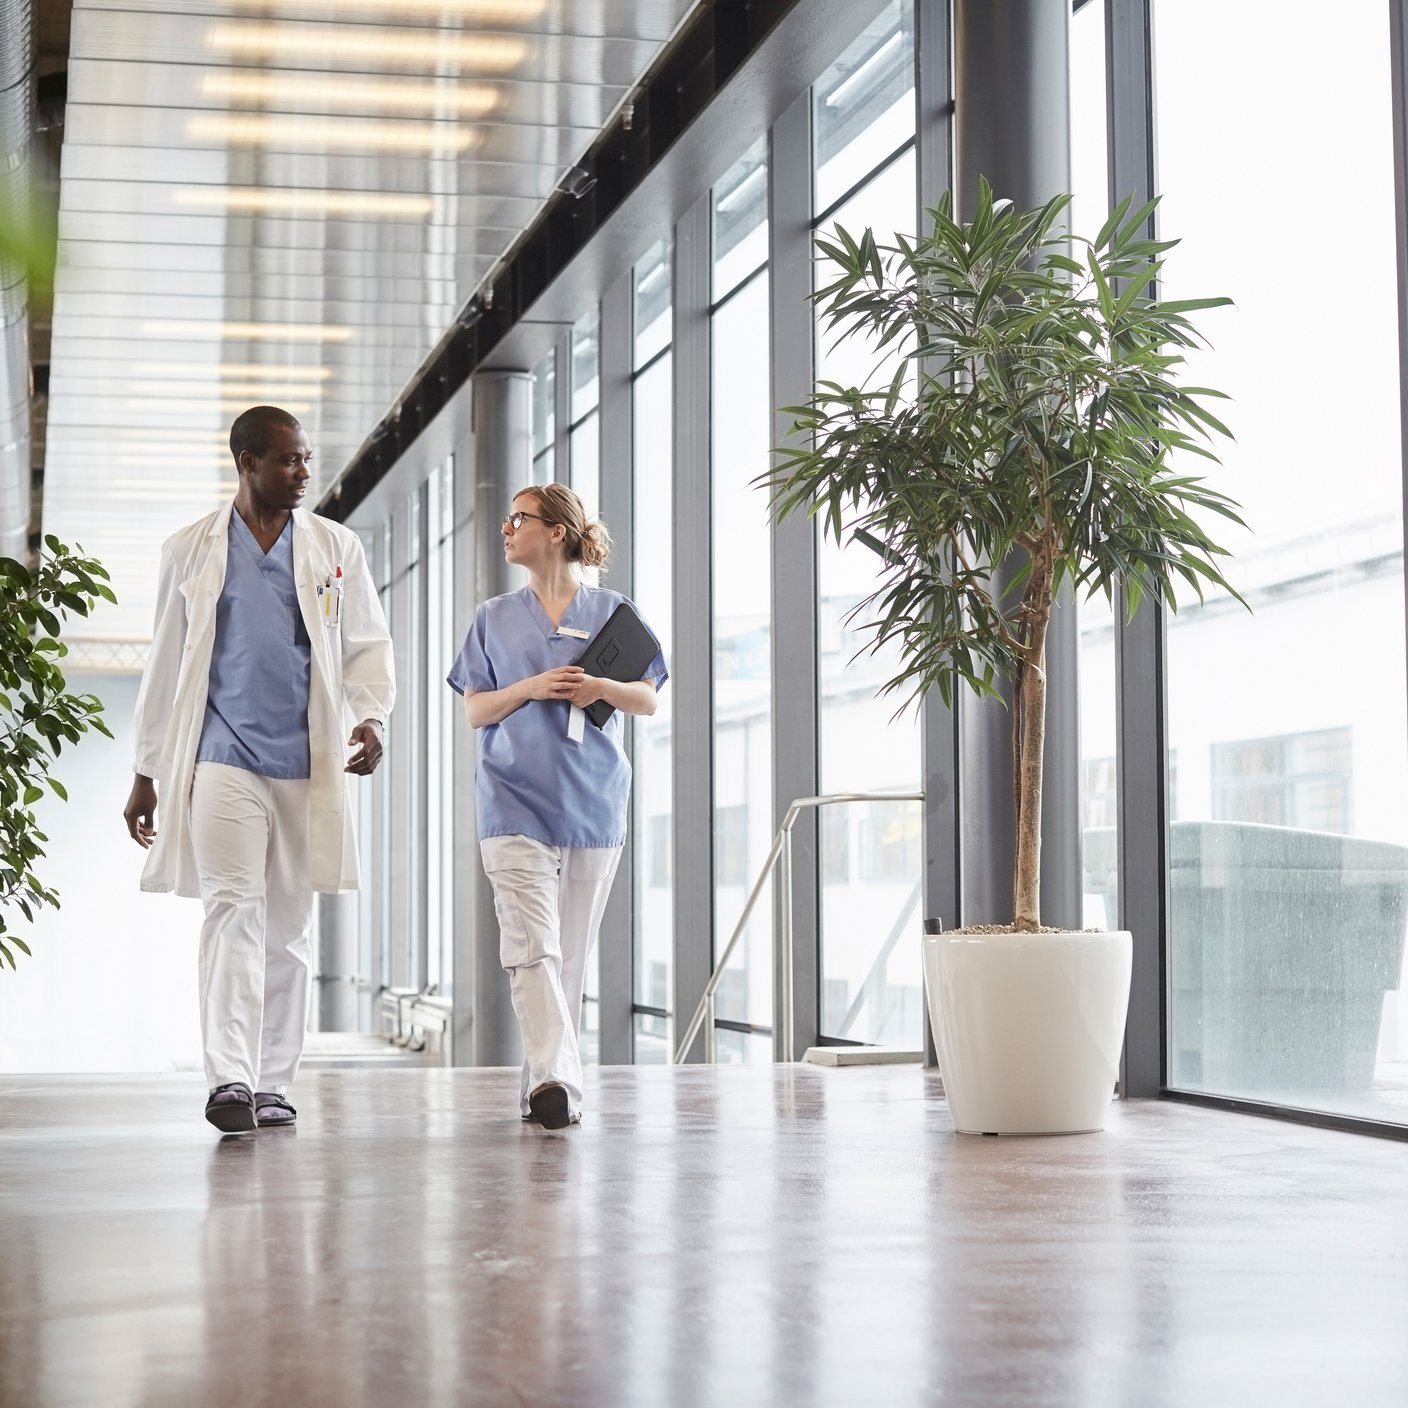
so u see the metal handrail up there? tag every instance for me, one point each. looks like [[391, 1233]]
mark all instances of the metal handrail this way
[[779, 856]]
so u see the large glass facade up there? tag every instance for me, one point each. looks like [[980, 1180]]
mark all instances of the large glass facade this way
[[1286, 762], [741, 435], [1288, 878], [871, 853], [652, 738]]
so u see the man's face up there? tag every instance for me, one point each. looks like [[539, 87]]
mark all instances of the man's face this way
[[279, 478]]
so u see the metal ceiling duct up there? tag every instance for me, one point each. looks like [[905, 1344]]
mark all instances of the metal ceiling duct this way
[[16, 130]]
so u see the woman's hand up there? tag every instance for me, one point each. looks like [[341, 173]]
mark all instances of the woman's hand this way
[[560, 683]]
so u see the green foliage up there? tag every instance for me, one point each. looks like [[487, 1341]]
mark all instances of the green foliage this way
[[1028, 424], [37, 713]]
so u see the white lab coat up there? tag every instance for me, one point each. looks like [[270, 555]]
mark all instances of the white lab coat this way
[[352, 679]]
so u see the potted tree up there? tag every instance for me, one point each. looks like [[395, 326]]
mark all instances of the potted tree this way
[[38, 714], [1021, 440]]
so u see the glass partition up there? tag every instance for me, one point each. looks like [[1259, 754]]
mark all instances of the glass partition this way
[[1288, 881]]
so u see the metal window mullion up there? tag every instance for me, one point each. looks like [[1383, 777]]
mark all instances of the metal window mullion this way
[[693, 671], [795, 666], [1140, 645], [1398, 61], [421, 818], [465, 864], [402, 760], [616, 967], [938, 725]]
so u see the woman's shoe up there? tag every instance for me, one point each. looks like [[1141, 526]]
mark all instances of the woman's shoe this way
[[548, 1105]]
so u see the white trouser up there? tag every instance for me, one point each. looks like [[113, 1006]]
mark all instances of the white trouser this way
[[549, 901], [250, 835]]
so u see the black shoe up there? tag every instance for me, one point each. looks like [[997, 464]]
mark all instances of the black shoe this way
[[273, 1111], [230, 1108], [548, 1105]]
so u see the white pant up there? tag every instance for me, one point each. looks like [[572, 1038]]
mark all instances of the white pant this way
[[250, 835], [549, 901]]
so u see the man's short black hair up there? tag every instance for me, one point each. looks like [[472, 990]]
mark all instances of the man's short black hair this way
[[253, 429]]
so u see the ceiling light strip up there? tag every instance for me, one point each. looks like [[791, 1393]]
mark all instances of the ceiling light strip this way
[[484, 53], [272, 332], [258, 130], [241, 199], [433, 98]]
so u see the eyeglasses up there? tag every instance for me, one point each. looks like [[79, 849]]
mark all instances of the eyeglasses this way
[[515, 520]]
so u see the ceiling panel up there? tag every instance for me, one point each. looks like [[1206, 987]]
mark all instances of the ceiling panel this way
[[289, 202]]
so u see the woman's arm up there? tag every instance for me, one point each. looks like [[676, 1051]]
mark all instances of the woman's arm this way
[[630, 696], [491, 706]]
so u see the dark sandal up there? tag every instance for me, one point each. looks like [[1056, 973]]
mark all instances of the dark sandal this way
[[266, 1101], [548, 1106], [230, 1108]]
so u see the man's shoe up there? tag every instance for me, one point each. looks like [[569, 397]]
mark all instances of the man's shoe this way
[[548, 1105], [230, 1108], [273, 1111]]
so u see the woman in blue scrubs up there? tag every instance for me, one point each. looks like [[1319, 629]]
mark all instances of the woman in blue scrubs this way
[[550, 788]]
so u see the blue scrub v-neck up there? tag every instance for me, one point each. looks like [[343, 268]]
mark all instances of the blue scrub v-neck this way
[[256, 712], [530, 779]]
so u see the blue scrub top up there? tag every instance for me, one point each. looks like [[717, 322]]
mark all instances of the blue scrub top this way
[[530, 779], [256, 714]]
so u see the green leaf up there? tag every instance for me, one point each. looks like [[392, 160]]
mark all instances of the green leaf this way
[[58, 788], [32, 794]]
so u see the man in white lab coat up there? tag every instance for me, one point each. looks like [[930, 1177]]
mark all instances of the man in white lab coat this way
[[269, 640]]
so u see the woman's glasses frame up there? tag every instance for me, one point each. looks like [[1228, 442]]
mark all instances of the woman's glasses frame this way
[[514, 521]]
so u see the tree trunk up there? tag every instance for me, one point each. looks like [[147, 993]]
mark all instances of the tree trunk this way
[[1029, 707]]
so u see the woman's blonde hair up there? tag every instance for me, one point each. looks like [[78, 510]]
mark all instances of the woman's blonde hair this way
[[587, 542]]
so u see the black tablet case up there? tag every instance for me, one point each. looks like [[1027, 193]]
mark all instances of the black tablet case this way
[[621, 650]]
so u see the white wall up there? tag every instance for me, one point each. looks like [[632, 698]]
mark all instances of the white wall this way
[[112, 984]]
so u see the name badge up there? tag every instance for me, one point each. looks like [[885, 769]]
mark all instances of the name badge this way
[[575, 634]]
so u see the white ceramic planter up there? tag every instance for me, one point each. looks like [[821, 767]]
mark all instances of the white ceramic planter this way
[[1028, 1027]]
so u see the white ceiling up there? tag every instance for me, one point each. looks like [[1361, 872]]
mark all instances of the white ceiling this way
[[287, 203]]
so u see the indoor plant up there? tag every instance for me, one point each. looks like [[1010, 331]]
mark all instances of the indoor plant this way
[[38, 713], [1022, 442]]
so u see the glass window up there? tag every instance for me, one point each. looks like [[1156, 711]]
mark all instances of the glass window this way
[[742, 631], [740, 220], [1289, 845], [863, 105], [544, 417], [872, 870], [653, 747], [584, 461], [586, 363], [653, 306]]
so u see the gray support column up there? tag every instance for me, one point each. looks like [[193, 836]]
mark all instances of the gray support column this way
[[938, 725], [1011, 123], [794, 571], [692, 670], [1140, 713], [615, 946], [401, 761], [503, 457], [1398, 41], [337, 962], [561, 406], [468, 875], [419, 834]]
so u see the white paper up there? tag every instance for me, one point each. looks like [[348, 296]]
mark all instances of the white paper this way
[[576, 725]]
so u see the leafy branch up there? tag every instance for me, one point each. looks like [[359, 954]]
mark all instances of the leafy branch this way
[[38, 714]]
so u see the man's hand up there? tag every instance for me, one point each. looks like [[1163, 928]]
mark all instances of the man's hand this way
[[140, 811], [364, 761]]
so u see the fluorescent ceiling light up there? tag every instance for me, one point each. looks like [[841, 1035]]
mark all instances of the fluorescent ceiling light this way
[[742, 191], [242, 403], [232, 369], [485, 53], [433, 97], [185, 394], [259, 130], [500, 12], [857, 76], [270, 332], [291, 202]]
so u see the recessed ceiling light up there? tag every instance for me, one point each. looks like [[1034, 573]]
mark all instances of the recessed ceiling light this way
[[434, 97], [501, 12], [239, 198], [273, 371], [270, 332], [259, 130], [484, 53]]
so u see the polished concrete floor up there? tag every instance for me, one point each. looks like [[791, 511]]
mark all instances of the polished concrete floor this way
[[739, 1236]]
